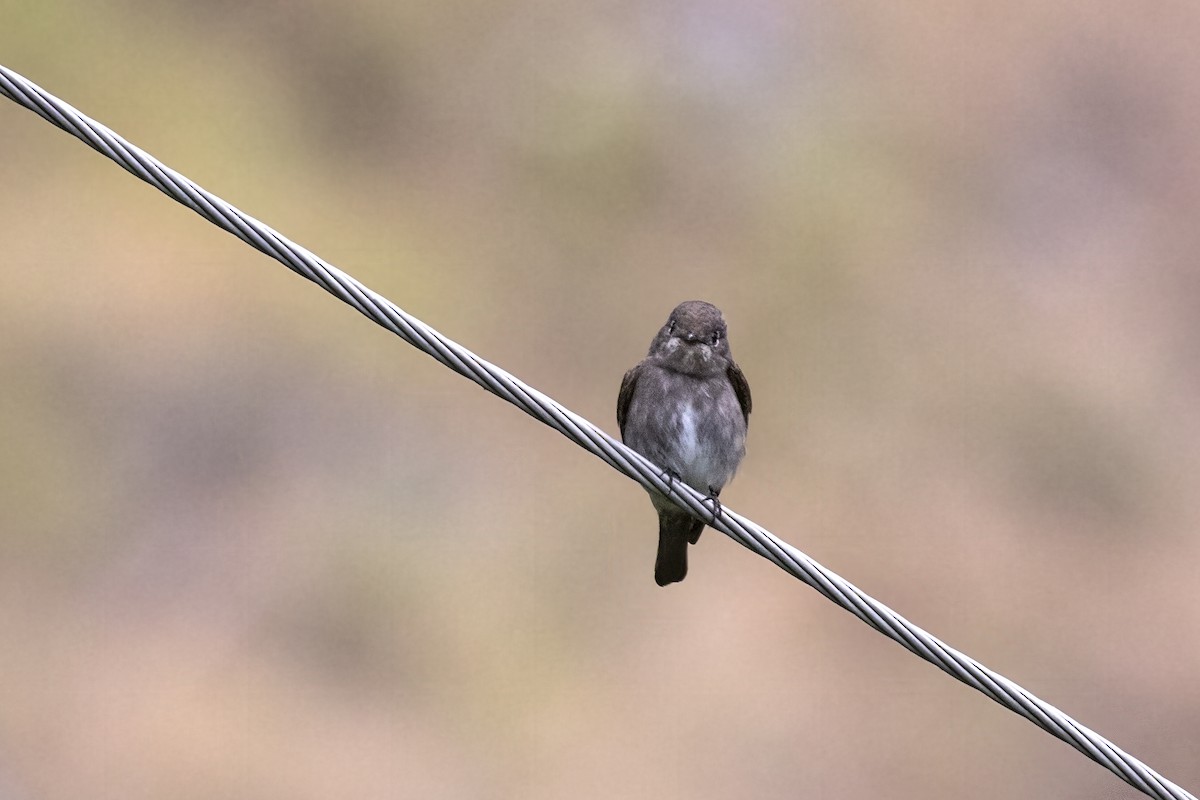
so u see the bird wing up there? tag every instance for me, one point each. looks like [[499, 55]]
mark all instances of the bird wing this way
[[626, 395], [740, 387]]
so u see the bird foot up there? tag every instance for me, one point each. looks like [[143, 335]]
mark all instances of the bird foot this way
[[716, 504]]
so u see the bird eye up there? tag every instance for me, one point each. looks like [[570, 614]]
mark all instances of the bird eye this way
[[717, 334], [671, 326]]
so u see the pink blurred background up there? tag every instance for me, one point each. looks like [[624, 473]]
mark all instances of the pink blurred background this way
[[253, 547]]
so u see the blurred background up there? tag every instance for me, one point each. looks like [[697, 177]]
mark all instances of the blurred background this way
[[251, 546]]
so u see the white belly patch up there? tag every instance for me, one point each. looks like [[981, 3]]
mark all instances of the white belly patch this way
[[689, 441]]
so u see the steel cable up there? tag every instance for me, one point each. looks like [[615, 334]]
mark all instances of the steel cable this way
[[585, 434]]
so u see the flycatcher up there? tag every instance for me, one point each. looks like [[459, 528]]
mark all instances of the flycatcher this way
[[686, 407]]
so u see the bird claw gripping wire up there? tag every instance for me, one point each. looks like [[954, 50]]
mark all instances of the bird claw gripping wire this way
[[670, 477], [716, 506]]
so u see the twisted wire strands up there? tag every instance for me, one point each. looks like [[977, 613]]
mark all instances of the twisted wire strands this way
[[585, 434]]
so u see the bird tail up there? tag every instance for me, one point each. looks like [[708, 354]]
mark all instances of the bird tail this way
[[674, 533]]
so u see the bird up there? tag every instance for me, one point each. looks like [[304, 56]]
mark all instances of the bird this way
[[686, 407]]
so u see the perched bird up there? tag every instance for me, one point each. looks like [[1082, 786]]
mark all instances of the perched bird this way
[[686, 407]]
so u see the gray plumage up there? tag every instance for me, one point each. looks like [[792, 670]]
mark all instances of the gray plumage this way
[[686, 407]]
